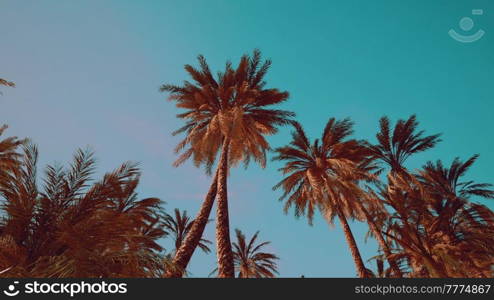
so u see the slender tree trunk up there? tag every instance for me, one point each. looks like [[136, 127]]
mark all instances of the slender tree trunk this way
[[223, 245], [189, 245], [380, 240], [359, 264]]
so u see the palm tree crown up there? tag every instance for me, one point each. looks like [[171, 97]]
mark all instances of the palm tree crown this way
[[324, 172], [233, 106], [393, 148], [447, 181], [326, 175], [250, 262]]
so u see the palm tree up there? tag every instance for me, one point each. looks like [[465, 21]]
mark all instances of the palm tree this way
[[229, 115], [393, 149], [179, 226], [249, 261], [326, 175], [466, 224], [72, 227]]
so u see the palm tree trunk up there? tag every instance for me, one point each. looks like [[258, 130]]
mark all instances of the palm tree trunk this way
[[189, 245], [359, 264], [380, 240], [223, 245]]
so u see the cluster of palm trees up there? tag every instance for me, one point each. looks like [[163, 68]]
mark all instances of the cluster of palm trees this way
[[72, 226], [423, 220]]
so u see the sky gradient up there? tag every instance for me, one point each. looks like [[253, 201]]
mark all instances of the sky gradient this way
[[88, 73]]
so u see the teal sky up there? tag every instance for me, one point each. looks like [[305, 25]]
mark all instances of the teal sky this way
[[88, 73]]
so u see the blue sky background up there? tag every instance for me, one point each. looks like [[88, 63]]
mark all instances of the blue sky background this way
[[88, 73]]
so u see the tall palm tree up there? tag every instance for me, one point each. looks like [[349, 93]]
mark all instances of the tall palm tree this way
[[326, 175], [179, 225], [229, 115], [393, 149], [72, 227]]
